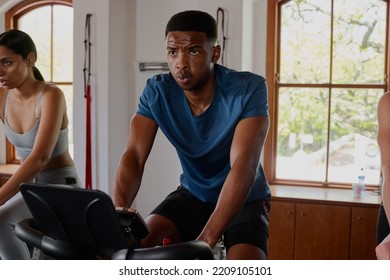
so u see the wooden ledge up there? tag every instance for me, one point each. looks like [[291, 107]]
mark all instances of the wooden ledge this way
[[8, 169], [324, 195]]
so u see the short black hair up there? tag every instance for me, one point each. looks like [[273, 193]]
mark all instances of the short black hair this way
[[193, 20]]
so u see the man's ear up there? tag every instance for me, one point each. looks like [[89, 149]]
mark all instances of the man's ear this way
[[216, 53]]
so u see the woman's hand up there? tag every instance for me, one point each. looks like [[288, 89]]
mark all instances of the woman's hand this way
[[383, 249]]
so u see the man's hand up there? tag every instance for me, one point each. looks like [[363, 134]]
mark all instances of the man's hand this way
[[208, 238]]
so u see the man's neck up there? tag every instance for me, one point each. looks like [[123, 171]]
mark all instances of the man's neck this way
[[200, 100]]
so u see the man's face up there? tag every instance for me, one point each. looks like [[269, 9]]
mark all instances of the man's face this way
[[191, 58]]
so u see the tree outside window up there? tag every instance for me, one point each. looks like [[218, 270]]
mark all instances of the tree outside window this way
[[331, 67]]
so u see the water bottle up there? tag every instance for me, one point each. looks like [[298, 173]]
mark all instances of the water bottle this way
[[360, 186], [362, 180]]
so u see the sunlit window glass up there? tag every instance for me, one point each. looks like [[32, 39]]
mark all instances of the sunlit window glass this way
[[359, 41], [331, 75]]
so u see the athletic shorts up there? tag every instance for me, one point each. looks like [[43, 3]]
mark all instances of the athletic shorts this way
[[190, 215], [383, 227], [62, 176]]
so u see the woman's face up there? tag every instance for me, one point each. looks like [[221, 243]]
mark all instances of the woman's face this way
[[13, 68]]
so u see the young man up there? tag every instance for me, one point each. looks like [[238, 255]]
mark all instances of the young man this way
[[217, 120]]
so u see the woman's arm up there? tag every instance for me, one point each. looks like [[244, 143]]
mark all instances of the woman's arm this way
[[383, 249], [384, 147]]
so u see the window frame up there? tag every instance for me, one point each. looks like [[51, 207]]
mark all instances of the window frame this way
[[272, 68], [11, 22]]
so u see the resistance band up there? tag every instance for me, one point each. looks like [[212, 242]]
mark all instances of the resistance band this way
[[87, 95]]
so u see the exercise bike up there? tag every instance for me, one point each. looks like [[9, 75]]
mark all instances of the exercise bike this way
[[72, 223]]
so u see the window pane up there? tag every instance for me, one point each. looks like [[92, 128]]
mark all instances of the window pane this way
[[37, 24], [326, 131], [359, 41], [302, 134], [353, 135], [305, 23], [62, 43]]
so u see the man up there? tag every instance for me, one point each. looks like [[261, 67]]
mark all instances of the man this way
[[217, 120]]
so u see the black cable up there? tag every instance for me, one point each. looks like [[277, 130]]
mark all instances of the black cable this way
[[87, 56], [221, 12]]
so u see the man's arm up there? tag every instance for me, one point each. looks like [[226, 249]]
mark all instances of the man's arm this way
[[244, 158], [383, 249], [129, 172]]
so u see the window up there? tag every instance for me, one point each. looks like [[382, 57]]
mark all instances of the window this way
[[327, 66], [50, 24]]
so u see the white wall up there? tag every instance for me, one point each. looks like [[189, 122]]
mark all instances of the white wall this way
[[113, 54], [124, 33]]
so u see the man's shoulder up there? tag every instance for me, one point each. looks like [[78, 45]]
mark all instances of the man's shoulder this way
[[160, 78], [230, 75], [160, 83]]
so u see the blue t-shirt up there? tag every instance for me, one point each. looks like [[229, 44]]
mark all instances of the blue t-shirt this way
[[203, 142]]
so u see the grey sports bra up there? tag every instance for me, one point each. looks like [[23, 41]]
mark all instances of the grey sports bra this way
[[24, 142]]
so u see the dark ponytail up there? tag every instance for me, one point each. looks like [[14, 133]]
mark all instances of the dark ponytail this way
[[37, 74]]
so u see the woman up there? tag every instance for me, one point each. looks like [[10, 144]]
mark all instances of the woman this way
[[383, 230], [36, 122]]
